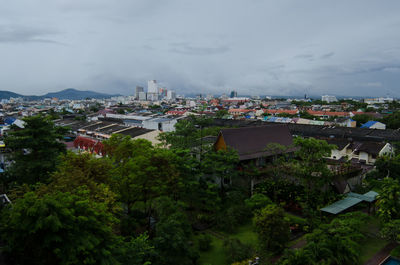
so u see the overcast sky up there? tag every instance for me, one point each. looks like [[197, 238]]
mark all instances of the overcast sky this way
[[280, 47]]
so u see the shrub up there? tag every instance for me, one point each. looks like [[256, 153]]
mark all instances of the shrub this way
[[204, 242], [236, 250]]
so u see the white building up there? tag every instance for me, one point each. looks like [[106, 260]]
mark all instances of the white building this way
[[152, 86], [171, 95], [328, 98]]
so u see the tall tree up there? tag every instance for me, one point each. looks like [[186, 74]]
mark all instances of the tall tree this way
[[34, 150], [58, 228], [389, 200], [272, 227]]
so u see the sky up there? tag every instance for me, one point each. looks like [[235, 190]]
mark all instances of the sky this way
[[256, 47]]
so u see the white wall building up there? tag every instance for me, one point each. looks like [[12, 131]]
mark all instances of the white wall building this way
[[328, 98]]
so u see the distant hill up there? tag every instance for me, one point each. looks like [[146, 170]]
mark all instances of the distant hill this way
[[69, 93], [8, 94]]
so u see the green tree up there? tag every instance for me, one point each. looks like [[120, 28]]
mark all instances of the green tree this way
[[272, 228], [222, 165], [221, 113], [172, 234], [389, 200], [34, 150], [391, 230], [311, 169], [58, 228]]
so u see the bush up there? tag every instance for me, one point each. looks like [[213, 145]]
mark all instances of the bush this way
[[395, 252], [204, 242], [236, 250], [258, 201]]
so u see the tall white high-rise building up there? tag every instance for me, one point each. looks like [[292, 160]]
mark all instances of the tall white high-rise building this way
[[152, 86]]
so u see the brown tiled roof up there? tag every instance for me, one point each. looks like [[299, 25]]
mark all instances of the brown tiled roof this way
[[252, 142]]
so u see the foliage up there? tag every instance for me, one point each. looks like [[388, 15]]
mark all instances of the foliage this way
[[204, 241], [34, 150], [221, 113], [391, 230], [222, 165], [272, 227], [310, 167], [362, 118], [257, 201], [58, 228], [387, 166], [237, 251], [335, 243], [389, 200], [172, 236], [395, 252], [392, 121]]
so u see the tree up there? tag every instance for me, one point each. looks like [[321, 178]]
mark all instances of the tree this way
[[272, 228], [221, 113], [172, 234], [221, 164], [362, 118], [34, 150], [77, 170], [391, 230], [387, 166], [310, 167], [389, 200], [58, 228]]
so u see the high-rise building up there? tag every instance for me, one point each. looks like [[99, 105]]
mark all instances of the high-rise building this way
[[138, 89], [233, 94], [142, 96], [152, 90], [171, 95], [152, 86]]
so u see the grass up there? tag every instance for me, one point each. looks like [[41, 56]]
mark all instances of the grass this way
[[216, 255], [370, 247]]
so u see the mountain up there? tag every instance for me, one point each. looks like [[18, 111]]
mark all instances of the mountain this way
[[69, 93], [8, 94]]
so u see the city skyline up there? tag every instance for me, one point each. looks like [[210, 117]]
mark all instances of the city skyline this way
[[252, 47]]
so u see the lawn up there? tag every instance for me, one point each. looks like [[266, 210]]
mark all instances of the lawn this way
[[216, 256], [370, 247]]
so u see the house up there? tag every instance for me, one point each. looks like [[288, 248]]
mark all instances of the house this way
[[346, 122], [374, 125], [359, 152], [256, 143]]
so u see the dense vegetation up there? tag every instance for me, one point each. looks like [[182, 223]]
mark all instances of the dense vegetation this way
[[145, 204]]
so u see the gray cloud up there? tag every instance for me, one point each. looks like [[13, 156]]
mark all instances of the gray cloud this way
[[264, 47], [327, 55], [22, 34], [185, 48]]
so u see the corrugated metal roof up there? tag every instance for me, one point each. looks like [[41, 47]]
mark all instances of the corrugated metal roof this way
[[351, 200]]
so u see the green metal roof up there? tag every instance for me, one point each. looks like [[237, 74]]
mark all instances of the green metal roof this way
[[341, 205], [351, 200]]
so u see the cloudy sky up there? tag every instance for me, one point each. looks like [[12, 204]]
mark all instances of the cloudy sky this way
[[285, 47]]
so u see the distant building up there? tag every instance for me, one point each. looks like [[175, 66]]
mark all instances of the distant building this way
[[329, 99], [233, 94], [138, 89], [374, 125], [152, 90], [171, 95], [152, 86], [142, 96]]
